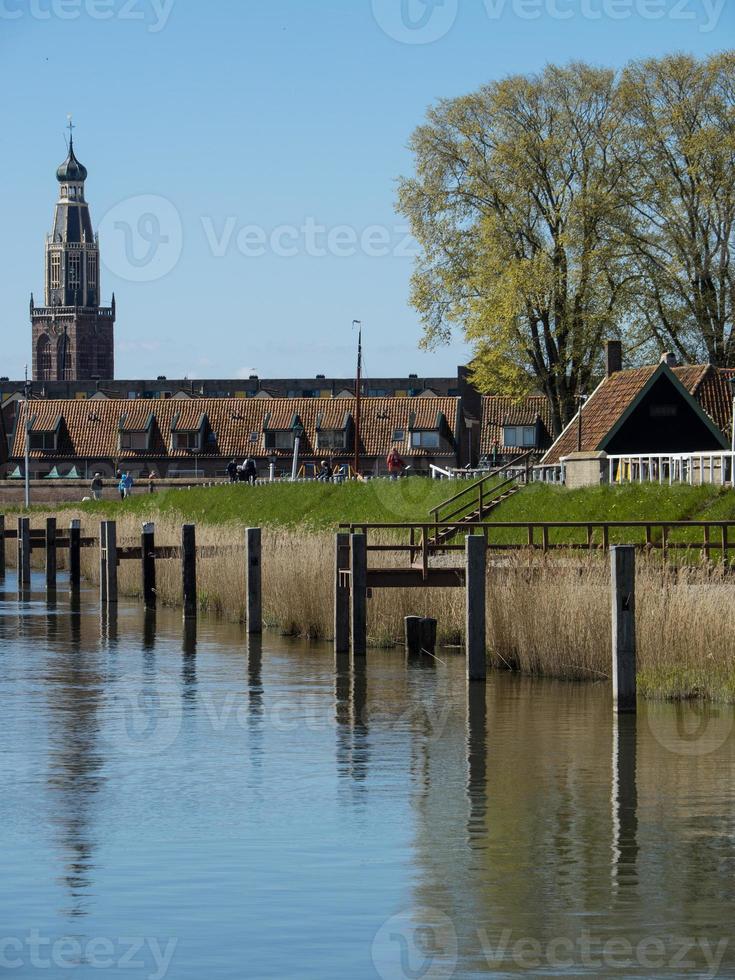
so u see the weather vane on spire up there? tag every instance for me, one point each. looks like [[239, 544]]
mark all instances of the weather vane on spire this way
[[72, 127]]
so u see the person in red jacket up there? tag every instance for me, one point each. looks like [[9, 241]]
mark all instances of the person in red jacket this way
[[395, 464]]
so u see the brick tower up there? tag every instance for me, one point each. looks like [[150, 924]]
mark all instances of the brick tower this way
[[72, 334]]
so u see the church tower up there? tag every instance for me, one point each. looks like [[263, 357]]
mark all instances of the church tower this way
[[72, 334]]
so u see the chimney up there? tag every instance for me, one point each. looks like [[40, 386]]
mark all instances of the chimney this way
[[613, 357], [669, 359]]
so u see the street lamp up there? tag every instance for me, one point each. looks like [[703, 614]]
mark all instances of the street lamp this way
[[581, 399], [298, 434]]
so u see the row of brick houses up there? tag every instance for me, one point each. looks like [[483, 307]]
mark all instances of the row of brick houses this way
[[656, 409], [188, 437]]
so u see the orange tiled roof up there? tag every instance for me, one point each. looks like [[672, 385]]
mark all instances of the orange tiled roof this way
[[91, 429], [499, 411], [613, 396]]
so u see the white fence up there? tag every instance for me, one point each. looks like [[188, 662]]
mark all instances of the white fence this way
[[692, 468]]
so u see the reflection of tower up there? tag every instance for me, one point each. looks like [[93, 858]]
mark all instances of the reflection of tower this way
[[72, 333], [75, 691]]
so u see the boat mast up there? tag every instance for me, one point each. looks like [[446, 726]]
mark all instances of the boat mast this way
[[358, 397]]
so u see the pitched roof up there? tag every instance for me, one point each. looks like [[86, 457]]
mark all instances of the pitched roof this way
[[616, 394], [499, 411], [92, 430]]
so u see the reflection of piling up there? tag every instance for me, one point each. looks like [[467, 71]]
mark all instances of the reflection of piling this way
[[624, 800], [2, 545], [476, 554], [622, 571], [476, 760], [358, 593]]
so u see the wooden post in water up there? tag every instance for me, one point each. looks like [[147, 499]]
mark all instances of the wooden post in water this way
[[476, 554], [148, 565], [358, 593], [108, 563], [254, 581], [24, 552], [622, 573], [342, 594], [51, 554], [189, 570], [75, 564], [2, 545], [420, 636]]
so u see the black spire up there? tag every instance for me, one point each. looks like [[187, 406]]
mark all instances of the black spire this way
[[71, 168]]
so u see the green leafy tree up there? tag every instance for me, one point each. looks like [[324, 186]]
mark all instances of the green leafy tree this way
[[514, 203], [678, 147]]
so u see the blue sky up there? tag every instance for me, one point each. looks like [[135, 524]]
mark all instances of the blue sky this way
[[243, 157]]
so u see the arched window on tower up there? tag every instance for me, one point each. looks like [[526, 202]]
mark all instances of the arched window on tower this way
[[64, 370], [43, 358]]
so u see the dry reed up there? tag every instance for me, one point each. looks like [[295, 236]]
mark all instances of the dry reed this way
[[545, 616]]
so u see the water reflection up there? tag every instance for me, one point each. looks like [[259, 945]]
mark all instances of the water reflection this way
[[351, 712], [476, 764], [624, 801], [74, 698]]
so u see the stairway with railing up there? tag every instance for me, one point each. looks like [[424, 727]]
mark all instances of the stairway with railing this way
[[478, 500]]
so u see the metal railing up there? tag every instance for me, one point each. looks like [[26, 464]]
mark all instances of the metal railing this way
[[518, 469], [668, 468]]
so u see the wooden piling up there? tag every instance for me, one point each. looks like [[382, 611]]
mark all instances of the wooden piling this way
[[420, 636], [51, 554], [476, 555], [342, 594], [622, 574], [358, 594], [108, 563], [24, 552], [2, 545], [189, 570], [254, 581], [148, 565], [75, 552]]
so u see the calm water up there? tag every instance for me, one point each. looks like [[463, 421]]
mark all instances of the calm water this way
[[197, 807]]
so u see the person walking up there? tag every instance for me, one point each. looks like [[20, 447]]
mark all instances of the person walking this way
[[122, 486], [395, 464], [232, 471], [251, 471], [126, 485], [151, 482], [325, 473], [96, 487]]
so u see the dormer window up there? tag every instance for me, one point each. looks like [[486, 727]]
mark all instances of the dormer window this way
[[186, 440], [332, 439], [134, 441], [279, 439], [43, 441], [520, 436], [425, 439]]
